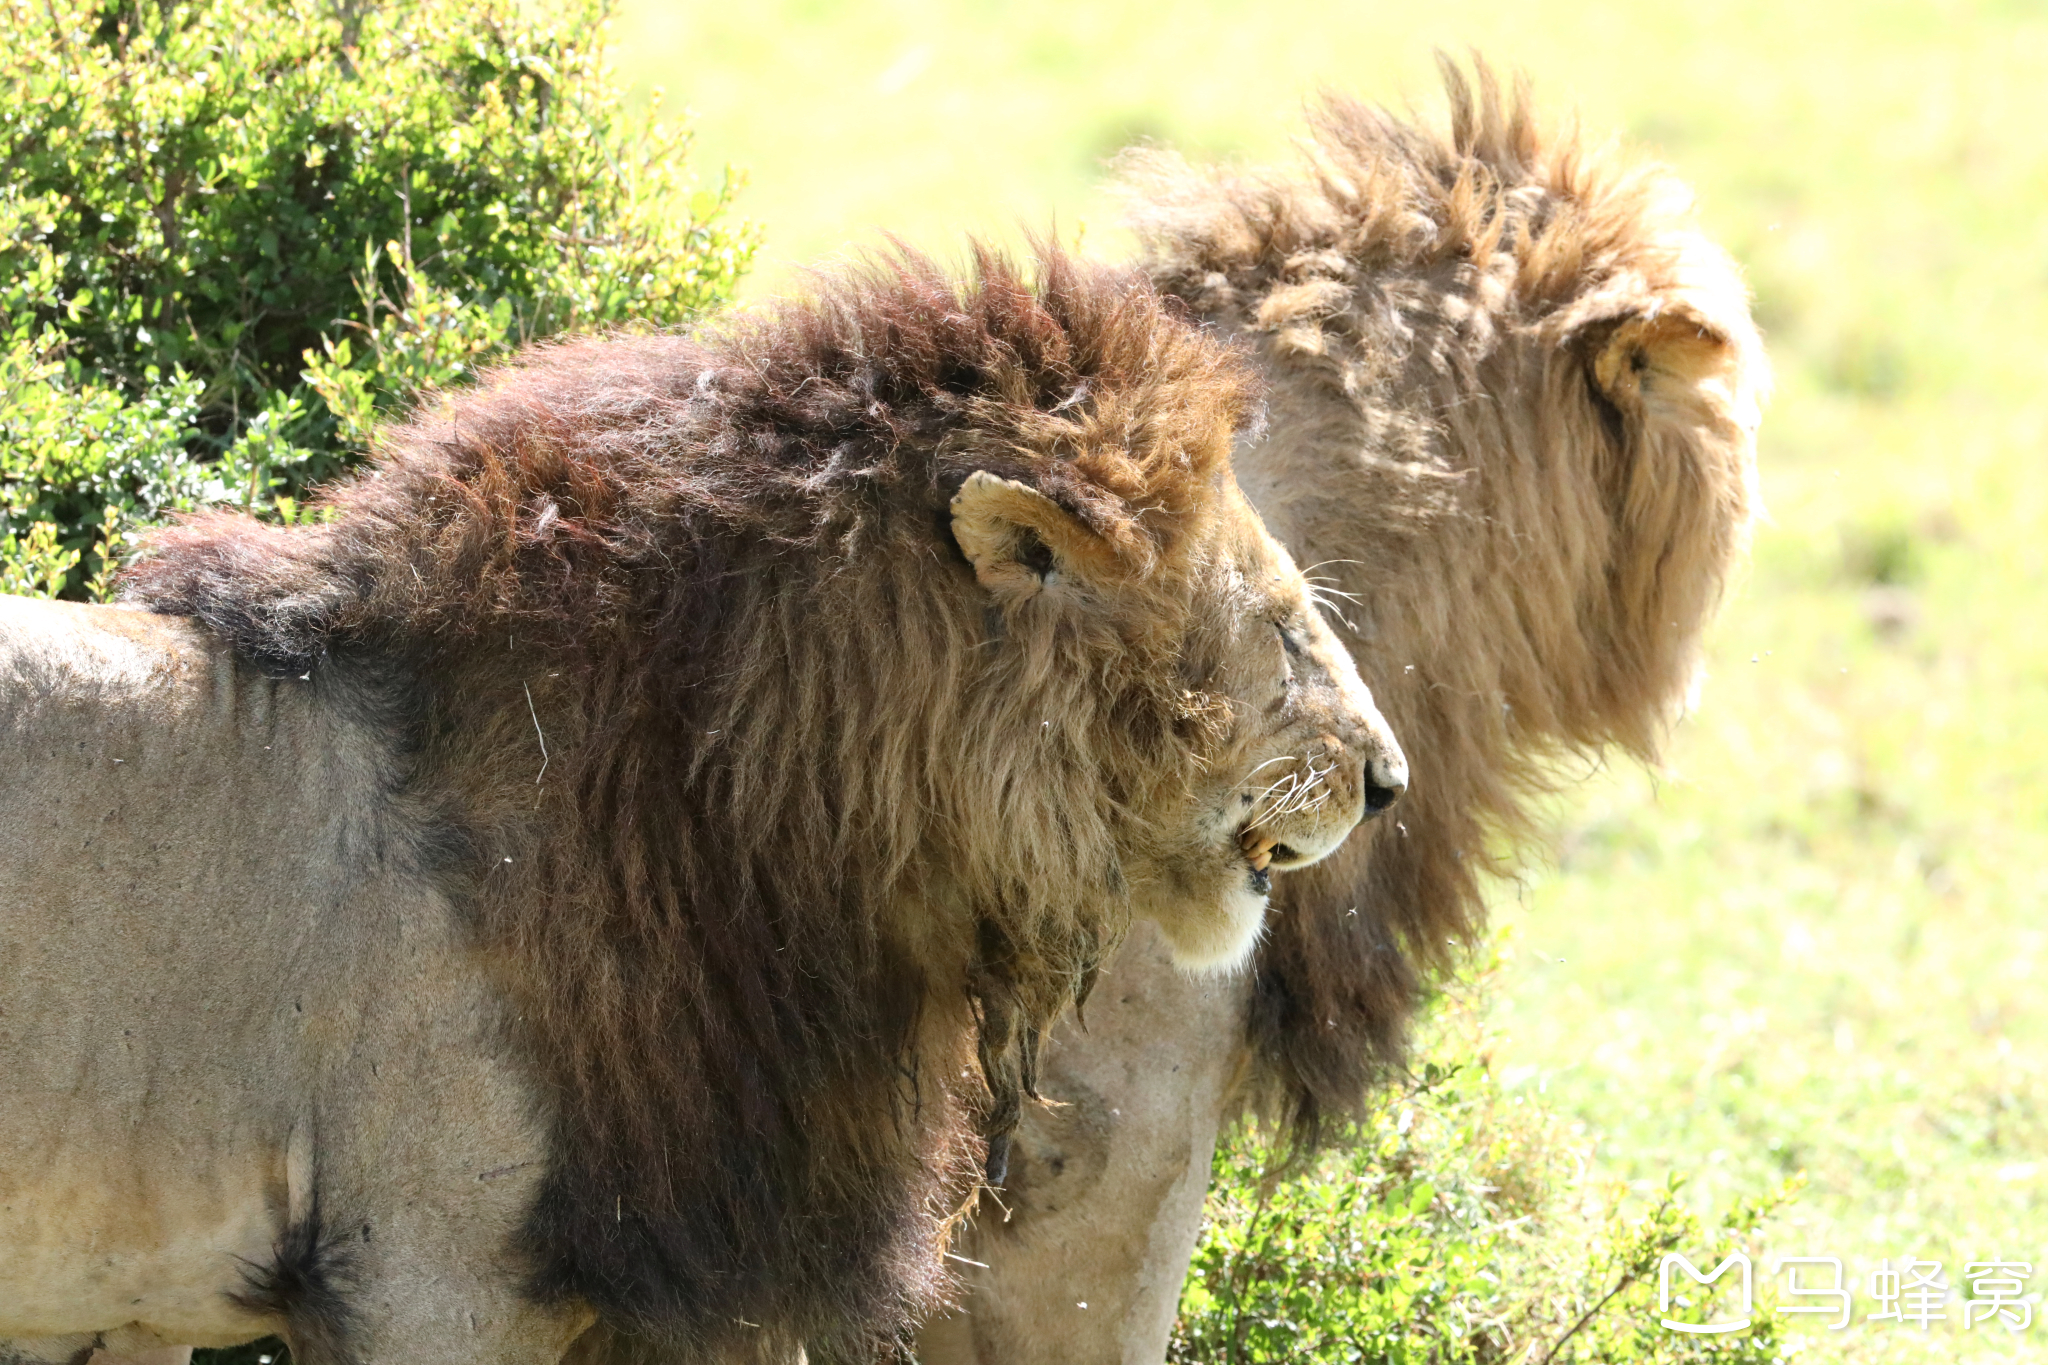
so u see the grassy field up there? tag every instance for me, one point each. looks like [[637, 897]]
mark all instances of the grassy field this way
[[1815, 943]]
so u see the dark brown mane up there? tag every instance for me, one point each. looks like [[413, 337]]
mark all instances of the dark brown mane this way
[[691, 687], [1513, 394]]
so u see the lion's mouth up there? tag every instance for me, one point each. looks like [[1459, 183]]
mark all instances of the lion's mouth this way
[[1264, 854]]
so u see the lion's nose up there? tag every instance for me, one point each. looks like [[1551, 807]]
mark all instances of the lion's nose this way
[[1386, 771], [1386, 777]]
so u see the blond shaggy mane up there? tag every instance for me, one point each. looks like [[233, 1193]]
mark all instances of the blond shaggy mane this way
[[1514, 399], [701, 708]]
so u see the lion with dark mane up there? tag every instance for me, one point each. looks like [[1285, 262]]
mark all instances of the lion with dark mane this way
[[1514, 394], [620, 862]]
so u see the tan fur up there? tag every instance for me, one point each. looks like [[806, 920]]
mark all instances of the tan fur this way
[[206, 978], [1514, 397], [748, 732]]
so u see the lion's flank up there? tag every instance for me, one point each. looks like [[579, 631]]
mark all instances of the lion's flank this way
[[1514, 390], [676, 629]]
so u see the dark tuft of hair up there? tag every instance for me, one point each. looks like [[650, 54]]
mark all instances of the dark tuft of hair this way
[[306, 1283]]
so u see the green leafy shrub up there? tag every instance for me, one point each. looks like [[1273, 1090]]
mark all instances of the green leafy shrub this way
[[235, 233], [1460, 1226]]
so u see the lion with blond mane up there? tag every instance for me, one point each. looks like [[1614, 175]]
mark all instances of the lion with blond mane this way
[[1514, 392], [619, 865]]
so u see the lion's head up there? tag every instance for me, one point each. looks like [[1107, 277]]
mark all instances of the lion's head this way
[[1281, 753], [1514, 396], [801, 698]]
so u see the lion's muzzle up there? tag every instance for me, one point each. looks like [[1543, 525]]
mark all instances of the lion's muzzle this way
[[1302, 814]]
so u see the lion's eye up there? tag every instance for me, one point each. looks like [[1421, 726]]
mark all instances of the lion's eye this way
[[1288, 649]]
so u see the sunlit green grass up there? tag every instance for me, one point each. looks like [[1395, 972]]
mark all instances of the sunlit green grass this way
[[1815, 944]]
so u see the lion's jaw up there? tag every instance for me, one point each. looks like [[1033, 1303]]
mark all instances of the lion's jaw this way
[[1308, 757]]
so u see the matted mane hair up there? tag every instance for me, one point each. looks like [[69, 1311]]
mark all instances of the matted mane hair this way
[[689, 680], [1514, 396]]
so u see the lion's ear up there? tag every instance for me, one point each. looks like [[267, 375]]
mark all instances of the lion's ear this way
[[1663, 360], [1021, 542], [1674, 367]]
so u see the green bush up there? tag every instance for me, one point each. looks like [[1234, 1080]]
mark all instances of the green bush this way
[[1459, 1226], [234, 233]]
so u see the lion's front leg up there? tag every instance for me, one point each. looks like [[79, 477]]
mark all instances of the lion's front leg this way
[[162, 1355], [1104, 1193]]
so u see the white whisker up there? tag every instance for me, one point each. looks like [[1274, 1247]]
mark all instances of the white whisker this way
[[537, 732]]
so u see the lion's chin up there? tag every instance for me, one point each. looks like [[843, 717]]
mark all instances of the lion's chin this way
[[1218, 938]]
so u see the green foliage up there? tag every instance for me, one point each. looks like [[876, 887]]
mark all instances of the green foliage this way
[[1608, 1304], [82, 465], [1459, 1226], [236, 233], [1369, 1256]]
